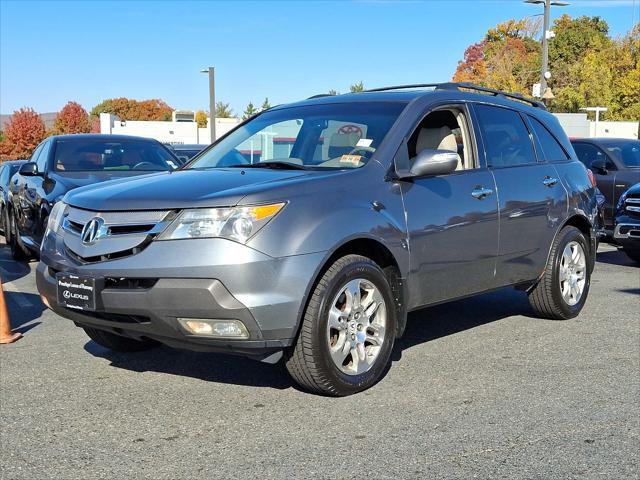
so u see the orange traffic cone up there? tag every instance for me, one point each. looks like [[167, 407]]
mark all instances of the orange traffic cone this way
[[6, 336]]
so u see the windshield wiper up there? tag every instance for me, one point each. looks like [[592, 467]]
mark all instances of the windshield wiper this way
[[274, 165]]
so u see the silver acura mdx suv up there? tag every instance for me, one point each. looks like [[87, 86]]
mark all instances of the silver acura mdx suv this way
[[310, 231]]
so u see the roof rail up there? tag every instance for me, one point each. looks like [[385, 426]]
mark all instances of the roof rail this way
[[466, 86], [320, 95]]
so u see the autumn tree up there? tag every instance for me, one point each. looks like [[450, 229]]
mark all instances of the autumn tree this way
[[22, 134], [201, 119], [357, 87], [130, 109], [72, 119], [223, 110], [249, 112]]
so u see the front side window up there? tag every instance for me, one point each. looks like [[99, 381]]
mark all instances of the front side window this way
[[506, 138], [588, 153], [44, 157], [315, 137], [551, 149], [79, 155]]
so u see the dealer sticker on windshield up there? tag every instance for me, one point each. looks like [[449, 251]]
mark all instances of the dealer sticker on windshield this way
[[352, 159], [76, 292]]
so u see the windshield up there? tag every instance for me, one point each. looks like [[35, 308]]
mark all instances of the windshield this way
[[326, 136], [627, 152], [78, 155]]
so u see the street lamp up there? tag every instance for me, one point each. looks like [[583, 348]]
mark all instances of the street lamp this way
[[547, 34], [212, 102]]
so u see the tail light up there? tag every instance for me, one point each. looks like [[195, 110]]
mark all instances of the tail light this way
[[592, 178]]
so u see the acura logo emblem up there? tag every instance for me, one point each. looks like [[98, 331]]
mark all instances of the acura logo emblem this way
[[92, 231]]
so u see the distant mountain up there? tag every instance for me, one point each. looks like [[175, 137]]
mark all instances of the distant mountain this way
[[47, 118]]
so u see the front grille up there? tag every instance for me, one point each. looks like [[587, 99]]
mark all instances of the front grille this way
[[632, 206], [121, 234]]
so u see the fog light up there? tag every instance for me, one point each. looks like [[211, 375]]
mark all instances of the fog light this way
[[215, 328]]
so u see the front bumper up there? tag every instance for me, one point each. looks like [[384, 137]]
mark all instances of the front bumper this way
[[143, 295]]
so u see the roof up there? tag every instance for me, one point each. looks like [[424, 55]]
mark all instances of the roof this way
[[604, 141], [444, 91], [102, 137]]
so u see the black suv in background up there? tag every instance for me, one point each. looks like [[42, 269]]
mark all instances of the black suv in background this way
[[7, 171], [60, 164], [626, 232], [615, 163]]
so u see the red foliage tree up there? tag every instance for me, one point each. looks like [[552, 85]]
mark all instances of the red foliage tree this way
[[22, 134], [72, 119], [473, 66]]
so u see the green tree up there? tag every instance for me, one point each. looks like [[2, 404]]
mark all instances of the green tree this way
[[357, 87], [333, 92], [223, 110], [265, 105], [249, 112]]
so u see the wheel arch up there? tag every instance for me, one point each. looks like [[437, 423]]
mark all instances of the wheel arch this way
[[378, 252]]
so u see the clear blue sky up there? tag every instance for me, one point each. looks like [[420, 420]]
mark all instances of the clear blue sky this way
[[52, 52]]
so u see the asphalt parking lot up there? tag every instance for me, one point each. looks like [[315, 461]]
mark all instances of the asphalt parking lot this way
[[478, 389]]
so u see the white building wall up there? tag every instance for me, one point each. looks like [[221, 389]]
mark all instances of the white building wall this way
[[575, 125], [615, 129], [166, 132]]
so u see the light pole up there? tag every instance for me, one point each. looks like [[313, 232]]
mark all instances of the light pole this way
[[546, 35], [597, 110], [212, 102]]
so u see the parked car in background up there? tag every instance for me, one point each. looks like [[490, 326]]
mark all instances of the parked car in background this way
[[615, 163], [312, 229], [60, 164], [7, 170], [185, 151], [627, 223]]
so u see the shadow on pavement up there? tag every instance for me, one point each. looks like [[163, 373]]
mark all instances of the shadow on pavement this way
[[23, 308], [210, 367], [615, 257], [425, 325], [10, 269], [454, 317]]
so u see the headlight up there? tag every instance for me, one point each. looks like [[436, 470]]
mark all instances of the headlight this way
[[623, 198], [55, 217], [238, 223]]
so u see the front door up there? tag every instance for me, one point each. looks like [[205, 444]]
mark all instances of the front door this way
[[452, 220]]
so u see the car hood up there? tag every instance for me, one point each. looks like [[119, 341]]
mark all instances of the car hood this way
[[178, 189]]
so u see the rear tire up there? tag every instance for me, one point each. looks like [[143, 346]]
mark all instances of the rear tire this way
[[556, 296], [117, 342], [347, 333]]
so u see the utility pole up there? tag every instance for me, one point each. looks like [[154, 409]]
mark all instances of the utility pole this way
[[547, 34], [212, 102]]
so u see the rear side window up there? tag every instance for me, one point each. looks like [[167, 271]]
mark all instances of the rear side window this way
[[506, 138], [551, 149]]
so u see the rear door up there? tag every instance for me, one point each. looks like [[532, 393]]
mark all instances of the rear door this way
[[453, 228], [531, 199]]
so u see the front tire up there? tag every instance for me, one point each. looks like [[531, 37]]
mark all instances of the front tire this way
[[18, 252], [563, 289], [117, 342], [348, 330]]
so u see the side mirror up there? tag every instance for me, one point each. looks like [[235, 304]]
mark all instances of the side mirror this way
[[433, 162], [29, 169]]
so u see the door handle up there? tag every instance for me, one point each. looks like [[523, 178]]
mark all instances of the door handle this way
[[549, 181], [481, 193]]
